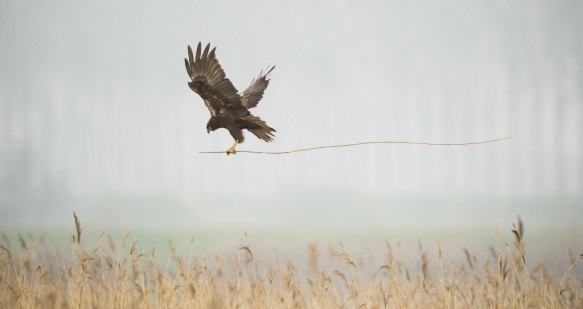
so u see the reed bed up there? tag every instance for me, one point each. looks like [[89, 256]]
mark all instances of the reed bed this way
[[123, 275]]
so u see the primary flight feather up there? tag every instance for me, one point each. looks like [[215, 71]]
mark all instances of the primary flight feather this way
[[229, 109]]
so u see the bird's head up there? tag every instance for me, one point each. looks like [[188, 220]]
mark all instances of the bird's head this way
[[211, 125]]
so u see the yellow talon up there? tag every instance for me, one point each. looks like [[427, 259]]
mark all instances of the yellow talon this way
[[232, 149]]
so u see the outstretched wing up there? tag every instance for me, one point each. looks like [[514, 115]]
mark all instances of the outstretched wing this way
[[209, 81], [252, 95]]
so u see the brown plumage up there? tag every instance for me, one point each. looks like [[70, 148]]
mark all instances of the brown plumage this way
[[229, 109]]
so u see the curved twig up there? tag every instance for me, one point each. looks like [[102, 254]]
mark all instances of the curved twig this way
[[361, 143]]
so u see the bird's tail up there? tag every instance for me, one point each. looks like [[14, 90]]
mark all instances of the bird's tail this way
[[258, 127]]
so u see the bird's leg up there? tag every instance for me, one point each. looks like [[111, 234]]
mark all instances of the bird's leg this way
[[232, 149]]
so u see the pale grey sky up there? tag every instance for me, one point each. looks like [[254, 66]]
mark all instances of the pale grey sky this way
[[96, 116]]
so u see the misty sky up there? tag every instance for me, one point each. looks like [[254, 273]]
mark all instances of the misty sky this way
[[96, 115]]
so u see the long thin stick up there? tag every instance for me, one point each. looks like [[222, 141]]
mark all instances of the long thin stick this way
[[362, 143]]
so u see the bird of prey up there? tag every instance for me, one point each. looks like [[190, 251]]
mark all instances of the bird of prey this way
[[229, 109]]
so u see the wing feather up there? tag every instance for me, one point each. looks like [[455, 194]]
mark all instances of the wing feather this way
[[198, 51], [252, 95], [188, 68], [204, 64], [209, 81]]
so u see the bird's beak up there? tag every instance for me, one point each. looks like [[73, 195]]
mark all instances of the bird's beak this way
[[208, 130]]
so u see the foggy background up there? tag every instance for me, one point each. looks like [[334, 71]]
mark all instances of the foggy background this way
[[96, 116]]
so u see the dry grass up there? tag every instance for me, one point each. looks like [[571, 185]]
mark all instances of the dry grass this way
[[108, 277]]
